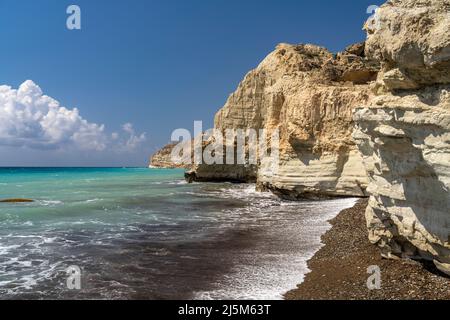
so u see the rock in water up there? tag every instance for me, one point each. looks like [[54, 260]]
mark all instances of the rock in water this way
[[404, 132], [15, 200]]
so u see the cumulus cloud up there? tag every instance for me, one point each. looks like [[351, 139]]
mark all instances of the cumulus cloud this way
[[133, 140], [28, 118], [128, 140]]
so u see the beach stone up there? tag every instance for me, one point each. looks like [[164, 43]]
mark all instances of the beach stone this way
[[443, 267]]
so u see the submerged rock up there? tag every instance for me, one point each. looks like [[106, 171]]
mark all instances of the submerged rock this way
[[15, 200]]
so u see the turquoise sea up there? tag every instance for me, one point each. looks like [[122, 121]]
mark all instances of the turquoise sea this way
[[138, 233]]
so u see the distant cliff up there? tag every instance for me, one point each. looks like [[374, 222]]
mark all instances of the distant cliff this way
[[163, 159]]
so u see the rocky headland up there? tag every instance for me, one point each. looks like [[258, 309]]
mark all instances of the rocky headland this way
[[163, 159], [308, 94], [372, 121]]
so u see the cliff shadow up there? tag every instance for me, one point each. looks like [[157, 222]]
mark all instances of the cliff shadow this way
[[424, 192], [305, 155], [303, 151]]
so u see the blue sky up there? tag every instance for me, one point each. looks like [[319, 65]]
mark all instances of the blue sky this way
[[145, 66]]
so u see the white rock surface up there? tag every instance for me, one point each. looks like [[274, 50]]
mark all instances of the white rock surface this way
[[404, 132], [308, 94]]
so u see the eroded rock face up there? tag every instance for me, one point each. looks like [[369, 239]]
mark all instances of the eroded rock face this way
[[163, 159], [404, 132], [308, 94], [412, 39]]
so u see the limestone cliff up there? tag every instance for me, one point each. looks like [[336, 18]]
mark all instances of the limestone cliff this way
[[400, 151], [403, 132], [163, 159], [308, 94]]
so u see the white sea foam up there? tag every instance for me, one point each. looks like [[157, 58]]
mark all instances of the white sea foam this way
[[29, 281], [178, 182], [267, 276], [255, 273], [93, 200], [50, 203], [7, 248]]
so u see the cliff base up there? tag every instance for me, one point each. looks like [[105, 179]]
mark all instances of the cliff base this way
[[339, 269]]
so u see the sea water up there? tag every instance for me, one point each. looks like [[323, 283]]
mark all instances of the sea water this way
[[138, 233]]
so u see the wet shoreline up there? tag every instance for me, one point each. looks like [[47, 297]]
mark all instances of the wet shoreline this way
[[339, 269], [147, 234]]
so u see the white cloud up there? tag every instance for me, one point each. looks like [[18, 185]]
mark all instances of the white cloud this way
[[132, 140], [114, 135], [28, 118]]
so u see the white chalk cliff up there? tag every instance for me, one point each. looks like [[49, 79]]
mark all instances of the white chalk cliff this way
[[308, 94], [403, 133], [349, 129]]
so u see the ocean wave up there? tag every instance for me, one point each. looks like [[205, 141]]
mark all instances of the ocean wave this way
[[178, 182], [268, 273], [50, 203], [142, 218], [172, 183], [45, 271], [246, 192], [93, 200], [7, 249]]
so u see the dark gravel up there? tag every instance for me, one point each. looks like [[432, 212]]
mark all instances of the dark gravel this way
[[339, 269]]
